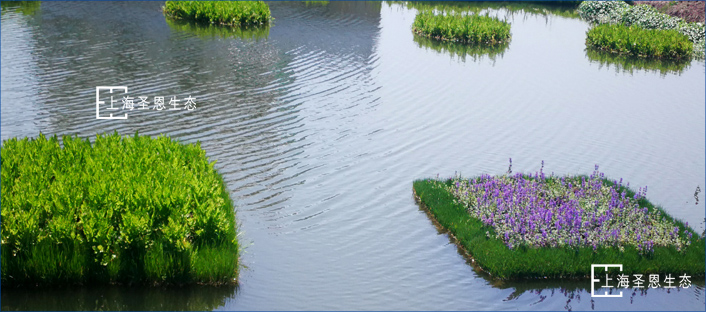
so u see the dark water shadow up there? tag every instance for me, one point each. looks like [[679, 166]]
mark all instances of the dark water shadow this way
[[217, 31], [630, 65], [460, 50], [24, 7], [117, 298]]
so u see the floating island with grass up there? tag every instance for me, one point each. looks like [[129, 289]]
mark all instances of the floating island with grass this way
[[123, 210], [461, 27], [539, 226], [227, 13]]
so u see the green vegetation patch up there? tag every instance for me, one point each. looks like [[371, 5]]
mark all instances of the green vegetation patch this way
[[619, 12], [465, 28], [524, 226], [637, 41], [121, 210], [231, 13]]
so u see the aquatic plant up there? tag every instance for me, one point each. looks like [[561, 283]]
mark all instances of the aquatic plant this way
[[231, 13], [541, 211], [121, 210], [517, 225], [619, 12], [637, 41], [459, 27]]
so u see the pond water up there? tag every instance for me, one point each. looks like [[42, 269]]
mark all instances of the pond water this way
[[321, 122]]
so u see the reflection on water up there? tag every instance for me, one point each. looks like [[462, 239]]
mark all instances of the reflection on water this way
[[118, 298], [24, 7], [630, 65], [557, 8], [315, 3], [218, 31], [475, 51], [320, 124]]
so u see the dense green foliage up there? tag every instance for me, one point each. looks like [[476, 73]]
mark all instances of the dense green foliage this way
[[232, 13], [637, 41], [465, 28], [619, 12], [123, 210], [215, 31], [494, 256]]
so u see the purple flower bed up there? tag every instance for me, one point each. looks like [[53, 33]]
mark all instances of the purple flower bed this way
[[540, 211]]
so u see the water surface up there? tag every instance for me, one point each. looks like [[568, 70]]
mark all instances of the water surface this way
[[321, 122]]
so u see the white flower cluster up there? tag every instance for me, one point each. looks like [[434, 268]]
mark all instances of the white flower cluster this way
[[602, 12], [619, 12]]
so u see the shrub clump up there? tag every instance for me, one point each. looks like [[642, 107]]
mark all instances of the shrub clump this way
[[636, 41], [123, 210], [619, 12], [465, 28], [231, 13]]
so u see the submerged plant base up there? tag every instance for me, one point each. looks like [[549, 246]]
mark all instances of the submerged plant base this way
[[630, 64], [547, 259], [216, 31], [460, 50], [123, 210]]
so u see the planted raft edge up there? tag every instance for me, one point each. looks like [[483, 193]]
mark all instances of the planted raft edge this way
[[492, 256]]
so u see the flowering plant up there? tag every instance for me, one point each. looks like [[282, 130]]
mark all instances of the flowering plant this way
[[541, 211]]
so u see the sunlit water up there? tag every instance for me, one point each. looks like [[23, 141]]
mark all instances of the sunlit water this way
[[321, 125]]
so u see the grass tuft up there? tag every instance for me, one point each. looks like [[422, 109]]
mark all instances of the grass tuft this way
[[459, 27], [121, 210], [230, 13], [640, 42]]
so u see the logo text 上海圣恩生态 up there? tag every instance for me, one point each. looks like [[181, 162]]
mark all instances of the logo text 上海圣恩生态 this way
[[111, 99], [623, 281]]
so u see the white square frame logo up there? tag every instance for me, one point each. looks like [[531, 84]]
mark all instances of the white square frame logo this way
[[593, 280], [99, 102]]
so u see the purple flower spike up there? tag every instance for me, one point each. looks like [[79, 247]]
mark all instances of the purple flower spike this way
[[555, 211]]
